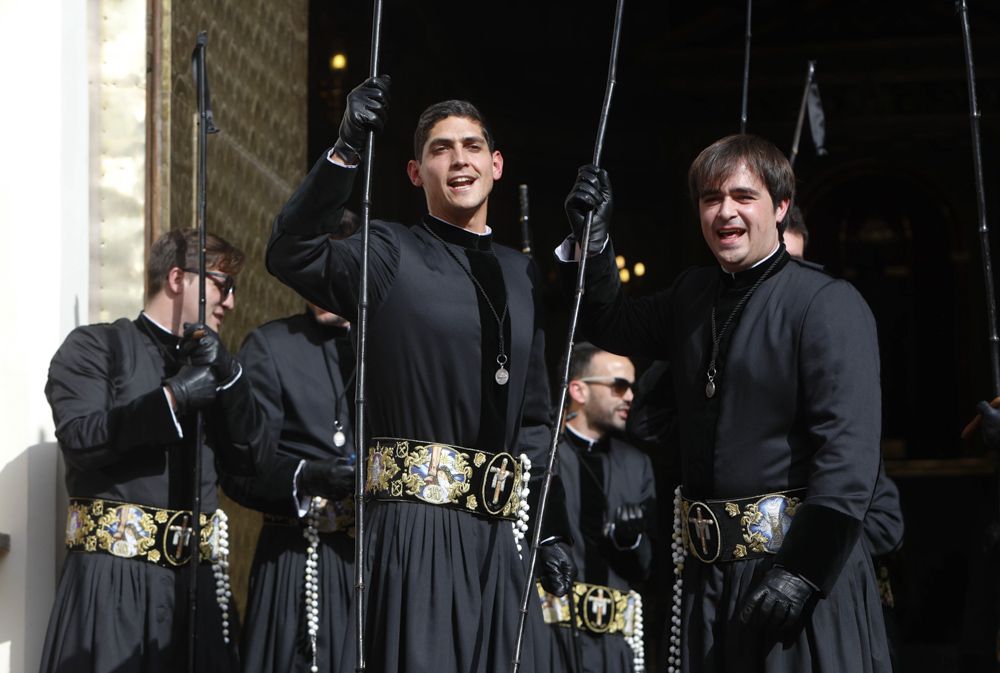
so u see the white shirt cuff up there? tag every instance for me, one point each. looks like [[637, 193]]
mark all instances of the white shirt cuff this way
[[337, 162], [180, 432], [569, 251], [229, 384], [301, 501]]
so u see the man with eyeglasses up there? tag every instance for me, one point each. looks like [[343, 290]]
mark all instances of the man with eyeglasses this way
[[124, 398], [610, 501]]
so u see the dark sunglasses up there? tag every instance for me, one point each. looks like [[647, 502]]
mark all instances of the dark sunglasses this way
[[618, 385], [225, 282]]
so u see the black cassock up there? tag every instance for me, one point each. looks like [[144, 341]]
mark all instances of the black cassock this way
[[120, 443], [442, 585], [797, 406], [599, 477], [301, 373]]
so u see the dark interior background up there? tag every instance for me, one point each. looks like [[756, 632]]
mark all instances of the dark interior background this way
[[891, 207]]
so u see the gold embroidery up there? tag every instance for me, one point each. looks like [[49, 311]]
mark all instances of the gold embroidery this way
[[732, 509], [479, 459], [739, 551], [161, 516], [470, 502]]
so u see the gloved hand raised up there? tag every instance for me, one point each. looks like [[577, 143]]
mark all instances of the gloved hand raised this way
[[332, 478], [366, 110], [591, 192], [629, 524], [192, 388], [201, 345], [777, 604], [556, 570]]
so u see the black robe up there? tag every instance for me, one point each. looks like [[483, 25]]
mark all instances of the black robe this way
[[599, 477], [301, 373], [798, 405], [120, 442], [442, 586]]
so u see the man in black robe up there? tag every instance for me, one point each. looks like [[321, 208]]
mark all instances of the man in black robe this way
[[456, 389], [302, 371], [610, 500], [123, 398], [774, 366]]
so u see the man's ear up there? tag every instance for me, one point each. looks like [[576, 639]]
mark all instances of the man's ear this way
[[577, 391], [175, 280], [779, 212], [497, 165], [413, 171]]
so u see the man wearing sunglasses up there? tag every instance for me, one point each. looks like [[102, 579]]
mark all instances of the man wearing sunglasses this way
[[775, 373], [124, 398], [610, 498]]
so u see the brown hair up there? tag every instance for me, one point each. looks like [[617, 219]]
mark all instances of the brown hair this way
[[179, 248], [724, 157], [449, 108]]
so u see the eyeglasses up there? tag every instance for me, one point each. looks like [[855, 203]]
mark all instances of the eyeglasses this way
[[619, 386], [225, 282]]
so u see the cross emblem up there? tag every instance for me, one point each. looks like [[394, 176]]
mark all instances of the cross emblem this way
[[599, 605], [435, 464], [500, 475], [700, 524], [122, 523], [182, 535]]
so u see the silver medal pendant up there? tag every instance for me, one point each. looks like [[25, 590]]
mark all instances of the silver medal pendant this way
[[339, 438], [710, 375], [502, 375], [710, 389]]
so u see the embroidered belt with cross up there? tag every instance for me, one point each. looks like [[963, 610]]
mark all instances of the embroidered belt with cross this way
[[469, 480], [127, 530], [738, 529], [599, 609]]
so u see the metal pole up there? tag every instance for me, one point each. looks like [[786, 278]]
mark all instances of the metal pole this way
[[574, 318], [194, 542], [984, 232], [746, 71], [522, 198], [359, 402], [810, 72]]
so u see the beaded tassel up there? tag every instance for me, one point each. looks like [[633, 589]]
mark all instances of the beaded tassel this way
[[678, 552], [636, 641], [220, 568], [520, 526], [311, 590]]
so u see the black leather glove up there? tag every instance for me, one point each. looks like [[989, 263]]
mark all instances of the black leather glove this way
[[201, 345], [630, 523], [332, 478], [556, 570], [591, 192], [991, 425], [778, 603], [366, 110], [193, 388]]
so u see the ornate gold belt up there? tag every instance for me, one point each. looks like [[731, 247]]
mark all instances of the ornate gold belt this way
[[469, 480], [599, 609], [128, 530], [738, 529], [332, 516]]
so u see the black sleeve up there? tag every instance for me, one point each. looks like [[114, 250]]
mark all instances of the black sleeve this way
[[614, 322], [324, 271], [839, 367], [883, 525], [636, 565], [94, 429]]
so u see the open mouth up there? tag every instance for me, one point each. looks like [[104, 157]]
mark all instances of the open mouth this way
[[461, 182], [730, 234]]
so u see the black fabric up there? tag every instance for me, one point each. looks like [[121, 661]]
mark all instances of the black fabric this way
[[115, 429], [300, 372], [817, 545], [798, 405], [442, 585]]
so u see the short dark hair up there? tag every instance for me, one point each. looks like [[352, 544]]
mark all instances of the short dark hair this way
[[179, 247], [579, 362], [795, 223], [723, 157], [448, 108]]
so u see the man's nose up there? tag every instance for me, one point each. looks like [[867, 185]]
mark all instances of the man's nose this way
[[229, 303], [727, 209]]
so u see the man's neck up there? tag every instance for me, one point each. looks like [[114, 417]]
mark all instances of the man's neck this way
[[164, 313], [475, 223], [579, 427]]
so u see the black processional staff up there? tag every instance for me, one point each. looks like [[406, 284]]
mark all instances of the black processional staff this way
[[206, 125], [984, 232], [810, 73], [359, 400], [574, 318], [746, 71], [522, 199]]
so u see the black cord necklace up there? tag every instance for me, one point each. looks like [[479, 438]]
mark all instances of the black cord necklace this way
[[339, 437], [502, 375], [711, 373]]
